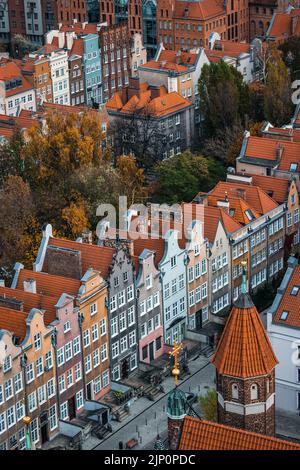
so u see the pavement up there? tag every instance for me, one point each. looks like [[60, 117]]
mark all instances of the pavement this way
[[147, 418]]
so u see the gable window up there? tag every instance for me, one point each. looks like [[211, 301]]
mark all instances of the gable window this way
[[173, 261], [295, 290]]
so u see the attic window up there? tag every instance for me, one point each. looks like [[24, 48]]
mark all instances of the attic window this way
[[249, 214], [295, 290], [294, 167], [284, 315], [231, 212], [270, 193]]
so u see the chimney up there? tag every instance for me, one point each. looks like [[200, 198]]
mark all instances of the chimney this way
[[279, 151], [29, 285], [224, 204], [87, 237], [11, 302], [240, 193]]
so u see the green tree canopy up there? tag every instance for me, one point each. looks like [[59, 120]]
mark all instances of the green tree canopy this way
[[208, 404], [181, 177], [224, 97]]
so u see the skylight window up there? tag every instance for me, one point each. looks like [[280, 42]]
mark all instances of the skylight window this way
[[284, 315], [295, 290], [294, 167], [249, 214]]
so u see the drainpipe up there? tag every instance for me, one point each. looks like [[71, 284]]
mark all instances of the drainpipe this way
[[26, 419], [54, 345], [80, 322]]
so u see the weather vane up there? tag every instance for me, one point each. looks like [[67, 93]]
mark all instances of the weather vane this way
[[174, 353]]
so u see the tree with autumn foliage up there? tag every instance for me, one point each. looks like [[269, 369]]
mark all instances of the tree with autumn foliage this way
[[277, 93], [19, 231], [131, 179]]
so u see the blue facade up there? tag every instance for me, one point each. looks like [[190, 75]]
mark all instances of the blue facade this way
[[92, 67]]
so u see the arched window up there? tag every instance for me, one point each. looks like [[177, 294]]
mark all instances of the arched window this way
[[261, 28], [234, 391], [254, 392]]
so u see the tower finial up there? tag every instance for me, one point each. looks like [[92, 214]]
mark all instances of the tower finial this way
[[175, 351], [244, 280]]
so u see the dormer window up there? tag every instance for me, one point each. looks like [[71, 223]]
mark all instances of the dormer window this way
[[284, 315], [294, 167], [295, 290], [249, 214]]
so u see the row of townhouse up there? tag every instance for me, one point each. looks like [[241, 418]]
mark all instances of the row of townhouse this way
[[104, 308], [81, 64], [60, 357]]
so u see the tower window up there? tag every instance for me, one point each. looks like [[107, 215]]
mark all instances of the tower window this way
[[254, 392], [234, 391]]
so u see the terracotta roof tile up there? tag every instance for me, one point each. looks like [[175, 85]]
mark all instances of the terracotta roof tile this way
[[13, 321], [204, 435], [49, 284], [244, 349], [277, 188], [41, 302], [92, 256], [203, 10], [183, 58], [290, 303], [253, 196]]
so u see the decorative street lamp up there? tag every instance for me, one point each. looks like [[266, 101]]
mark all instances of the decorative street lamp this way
[[26, 421]]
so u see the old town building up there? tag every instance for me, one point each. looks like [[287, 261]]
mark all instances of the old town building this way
[[245, 365]]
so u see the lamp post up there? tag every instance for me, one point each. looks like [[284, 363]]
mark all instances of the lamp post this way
[[26, 421]]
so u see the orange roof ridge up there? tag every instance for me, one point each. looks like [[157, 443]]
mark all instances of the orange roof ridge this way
[[198, 434]]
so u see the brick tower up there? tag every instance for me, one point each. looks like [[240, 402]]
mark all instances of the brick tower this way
[[245, 364]]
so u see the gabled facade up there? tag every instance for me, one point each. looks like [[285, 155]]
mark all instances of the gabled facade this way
[[150, 312], [92, 68], [28, 379]]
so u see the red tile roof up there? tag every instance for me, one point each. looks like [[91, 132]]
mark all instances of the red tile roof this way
[[14, 321], [164, 65], [244, 349], [49, 284], [142, 101], [277, 188], [267, 149], [41, 302], [92, 256], [203, 10], [178, 57], [290, 303], [252, 197], [204, 435]]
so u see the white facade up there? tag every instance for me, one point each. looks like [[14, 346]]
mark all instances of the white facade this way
[[4, 19], [172, 269], [58, 62], [14, 104], [285, 341]]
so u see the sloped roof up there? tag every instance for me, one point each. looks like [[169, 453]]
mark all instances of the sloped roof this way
[[178, 57], [212, 217], [41, 302], [142, 101], [205, 435], [254, 197], [244, 349], [203, 10], [290, 303], [266, 149], [14, 321], [277, 188], [92, 256], [49, 284]]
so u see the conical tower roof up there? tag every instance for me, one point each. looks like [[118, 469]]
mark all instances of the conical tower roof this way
[[244, 349]]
